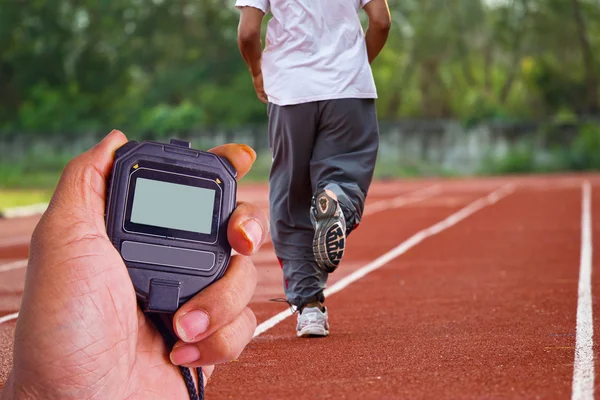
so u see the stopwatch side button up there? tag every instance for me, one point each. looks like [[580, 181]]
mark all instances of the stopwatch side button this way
[[163, 296]]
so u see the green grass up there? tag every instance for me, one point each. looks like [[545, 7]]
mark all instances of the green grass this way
[[23, 197], [397, 170], [21, 175]]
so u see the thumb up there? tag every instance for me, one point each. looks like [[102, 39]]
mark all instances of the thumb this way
[[81, 191]]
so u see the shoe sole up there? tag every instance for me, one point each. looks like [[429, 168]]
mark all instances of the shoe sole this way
[[313, 331], [329, 241]]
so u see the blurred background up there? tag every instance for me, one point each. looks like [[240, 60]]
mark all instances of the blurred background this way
[[466, 87]]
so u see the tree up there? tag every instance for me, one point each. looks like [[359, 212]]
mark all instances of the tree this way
[[160, 66]]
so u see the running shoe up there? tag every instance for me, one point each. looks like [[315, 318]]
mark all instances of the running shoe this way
[[330, 231], [312, 322]]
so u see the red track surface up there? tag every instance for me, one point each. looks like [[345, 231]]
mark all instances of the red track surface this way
[[483, 309]]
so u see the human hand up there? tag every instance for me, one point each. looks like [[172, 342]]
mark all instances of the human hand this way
[[259, 88], [80, 333]]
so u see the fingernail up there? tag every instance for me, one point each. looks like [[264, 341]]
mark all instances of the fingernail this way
[[184, 355], [249, 151], [252, 232], [192, 324], [110, 133]]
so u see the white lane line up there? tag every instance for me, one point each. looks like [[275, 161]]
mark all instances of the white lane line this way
[[24, 211], [398, 201], [583, 368], [403, 200], [8, 317], [13, 265], [399, 250]]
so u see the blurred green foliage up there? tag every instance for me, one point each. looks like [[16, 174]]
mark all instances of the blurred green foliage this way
[[162, 67], [155, 68], [72, 66], [517, 160], [584, 152]]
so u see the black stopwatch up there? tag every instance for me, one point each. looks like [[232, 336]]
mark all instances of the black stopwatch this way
[[167, 211]]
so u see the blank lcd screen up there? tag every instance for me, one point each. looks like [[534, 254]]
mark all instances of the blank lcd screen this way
[[173, 206]]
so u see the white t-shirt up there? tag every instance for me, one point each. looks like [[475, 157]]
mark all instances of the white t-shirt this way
[[315, 50]]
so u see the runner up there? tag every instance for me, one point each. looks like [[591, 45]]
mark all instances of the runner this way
[[323, 132]]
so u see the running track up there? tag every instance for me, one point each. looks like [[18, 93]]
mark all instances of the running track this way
[[479, 288]]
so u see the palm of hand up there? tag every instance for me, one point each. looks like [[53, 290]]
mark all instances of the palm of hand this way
[[110, 339]]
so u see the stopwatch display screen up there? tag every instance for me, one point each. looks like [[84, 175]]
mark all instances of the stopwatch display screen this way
[[172, 205]]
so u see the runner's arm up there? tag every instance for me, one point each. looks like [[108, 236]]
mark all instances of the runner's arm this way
[[249, 41], [379, 26]]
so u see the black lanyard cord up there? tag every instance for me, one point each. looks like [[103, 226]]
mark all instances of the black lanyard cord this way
[[170, 339]]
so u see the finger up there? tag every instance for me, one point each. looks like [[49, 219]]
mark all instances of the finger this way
[[248, 227], [224, 345], [82, 186], [263, 96], [240, 156], [218, 304]]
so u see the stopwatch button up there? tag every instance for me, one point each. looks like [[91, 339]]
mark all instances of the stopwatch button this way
[[163, 295], [181, 143], [229, 167], [125, 148]]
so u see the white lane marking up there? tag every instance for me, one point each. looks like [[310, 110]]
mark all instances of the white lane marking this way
[[8, 317], [400, 249], [583, 368], [397, 202], [24, 211], [403, 199], [13, 265]]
